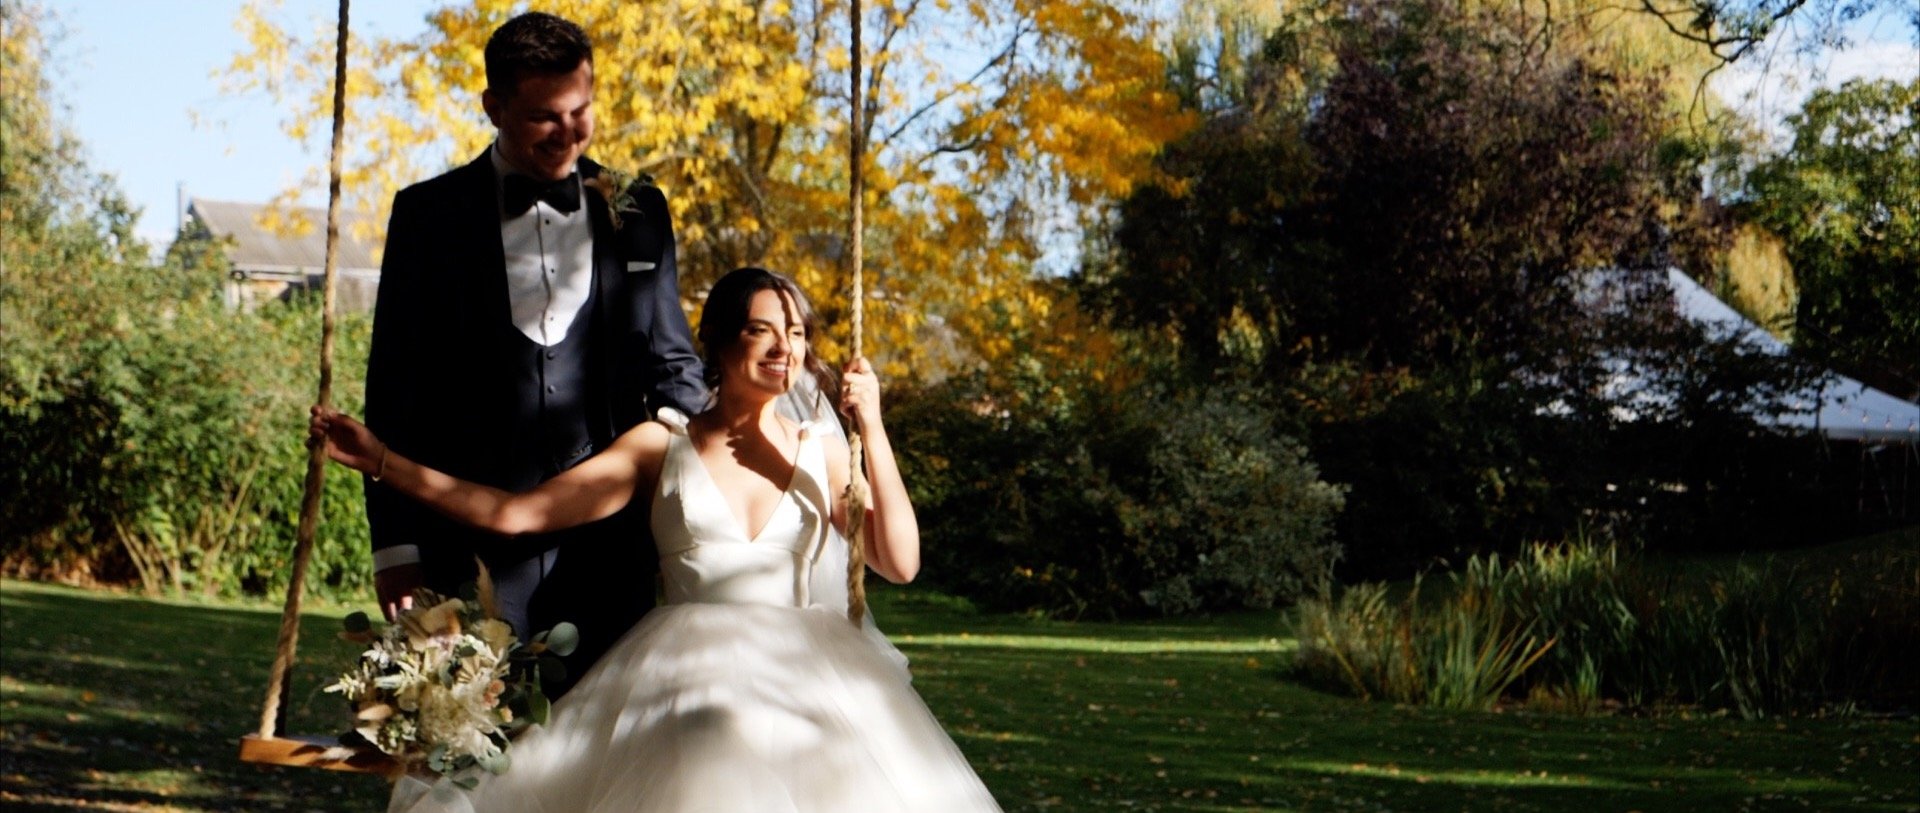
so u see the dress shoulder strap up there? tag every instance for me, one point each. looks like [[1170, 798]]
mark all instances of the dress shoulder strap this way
[[679, 445], [673, 419]]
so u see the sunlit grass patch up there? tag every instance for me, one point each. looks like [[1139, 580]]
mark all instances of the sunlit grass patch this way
[[999, 736], [1081, 643], [1520, 778]]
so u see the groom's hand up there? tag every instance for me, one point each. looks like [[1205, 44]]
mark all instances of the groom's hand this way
[[395, 586]]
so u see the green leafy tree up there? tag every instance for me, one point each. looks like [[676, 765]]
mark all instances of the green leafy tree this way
[[1845, 197], [1052, 494], [1438, 195], [1437, 229]]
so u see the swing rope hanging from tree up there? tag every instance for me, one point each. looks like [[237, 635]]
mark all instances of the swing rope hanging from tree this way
[[270, 747], [857, 496]]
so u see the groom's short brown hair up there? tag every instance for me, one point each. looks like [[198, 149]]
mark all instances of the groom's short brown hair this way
[[534, 43]]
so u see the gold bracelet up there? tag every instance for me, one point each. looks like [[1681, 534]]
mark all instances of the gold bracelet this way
[[381, 470]]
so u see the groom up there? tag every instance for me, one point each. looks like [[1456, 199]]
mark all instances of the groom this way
[[516, 332]]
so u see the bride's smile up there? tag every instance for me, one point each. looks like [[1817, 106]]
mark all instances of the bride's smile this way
[[772, 345]]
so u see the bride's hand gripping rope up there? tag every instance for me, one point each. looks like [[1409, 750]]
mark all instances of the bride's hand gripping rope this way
[[348, 441]]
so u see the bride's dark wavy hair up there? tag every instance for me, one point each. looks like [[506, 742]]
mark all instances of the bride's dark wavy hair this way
[[725, 315]]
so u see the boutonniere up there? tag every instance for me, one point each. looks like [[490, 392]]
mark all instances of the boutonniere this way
[[616, 188], [641, 247]]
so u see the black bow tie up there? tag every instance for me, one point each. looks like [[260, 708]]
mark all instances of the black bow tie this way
[[519, 192]]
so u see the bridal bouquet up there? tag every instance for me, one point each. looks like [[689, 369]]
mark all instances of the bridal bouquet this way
[[446, 685]]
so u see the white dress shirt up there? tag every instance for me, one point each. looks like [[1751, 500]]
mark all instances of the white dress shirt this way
[[549, 263]]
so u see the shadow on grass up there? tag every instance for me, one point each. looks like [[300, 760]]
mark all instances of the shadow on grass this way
[[117, 703], [113, 702]]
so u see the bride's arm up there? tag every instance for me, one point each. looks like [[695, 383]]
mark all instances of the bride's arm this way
[[892, 533], [595, 489]]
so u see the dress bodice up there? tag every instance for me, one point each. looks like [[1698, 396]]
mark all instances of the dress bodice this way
[[706, 556]]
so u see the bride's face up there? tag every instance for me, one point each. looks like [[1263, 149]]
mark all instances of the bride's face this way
[[772, 347]]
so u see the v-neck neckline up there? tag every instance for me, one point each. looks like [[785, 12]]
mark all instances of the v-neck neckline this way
[[739, 524]]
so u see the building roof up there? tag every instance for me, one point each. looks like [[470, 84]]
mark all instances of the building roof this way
[[261, 250]]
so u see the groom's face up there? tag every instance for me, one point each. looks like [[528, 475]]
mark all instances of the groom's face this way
[[545, 122]]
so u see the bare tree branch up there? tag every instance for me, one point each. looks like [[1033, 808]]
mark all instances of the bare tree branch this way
[[1007, 53], [1705, 16], [968, 146]]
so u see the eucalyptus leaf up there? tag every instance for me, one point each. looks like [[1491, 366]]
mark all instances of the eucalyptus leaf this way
[[562, 639], [538, 708], [497, 763]]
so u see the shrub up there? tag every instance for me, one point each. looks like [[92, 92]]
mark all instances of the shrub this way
[[1444, 471], [160, 434], [1224, 513], [1067, 502]]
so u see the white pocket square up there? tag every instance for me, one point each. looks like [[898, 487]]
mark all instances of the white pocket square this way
[[640, 265]]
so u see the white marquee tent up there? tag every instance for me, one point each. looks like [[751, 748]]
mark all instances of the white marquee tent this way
[[1839, 408]]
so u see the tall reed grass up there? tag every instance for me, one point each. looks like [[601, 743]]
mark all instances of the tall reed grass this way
[[1461, 651], [1584, 625]]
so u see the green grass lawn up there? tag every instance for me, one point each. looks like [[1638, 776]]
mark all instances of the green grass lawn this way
[[111, 702]]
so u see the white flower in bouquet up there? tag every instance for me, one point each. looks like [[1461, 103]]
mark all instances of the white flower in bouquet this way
[[444, 687]]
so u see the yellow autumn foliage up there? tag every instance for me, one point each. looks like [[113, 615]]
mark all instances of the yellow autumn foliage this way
[[1758, 280], [996, 129]]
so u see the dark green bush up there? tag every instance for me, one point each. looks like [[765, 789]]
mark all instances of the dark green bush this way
[[157, 435], [1439, 474], [1056, 498]]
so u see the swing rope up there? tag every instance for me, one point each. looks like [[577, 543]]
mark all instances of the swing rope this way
[[266, 746], [858, 498]]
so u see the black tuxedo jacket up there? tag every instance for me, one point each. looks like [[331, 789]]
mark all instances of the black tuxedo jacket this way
[[442, 389]]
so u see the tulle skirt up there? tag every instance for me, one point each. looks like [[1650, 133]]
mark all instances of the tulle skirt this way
[[733, 709]]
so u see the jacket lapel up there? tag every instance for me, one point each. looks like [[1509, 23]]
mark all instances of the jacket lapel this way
[[606, 259], [606, 323], [484, 257]]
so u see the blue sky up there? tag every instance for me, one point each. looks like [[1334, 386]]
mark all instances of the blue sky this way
[[133, 73]]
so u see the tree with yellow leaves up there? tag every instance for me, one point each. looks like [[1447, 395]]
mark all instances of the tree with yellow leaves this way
[[996, 129]]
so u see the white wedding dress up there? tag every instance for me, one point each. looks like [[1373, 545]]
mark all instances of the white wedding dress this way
[[747, 692]]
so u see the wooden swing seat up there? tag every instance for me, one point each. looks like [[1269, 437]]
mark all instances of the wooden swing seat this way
[[315, 752]]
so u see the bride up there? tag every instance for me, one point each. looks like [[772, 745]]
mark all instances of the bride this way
[[748, 690]]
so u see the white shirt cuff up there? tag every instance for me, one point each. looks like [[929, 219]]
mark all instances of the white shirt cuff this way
[[395, 556]]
